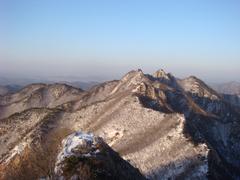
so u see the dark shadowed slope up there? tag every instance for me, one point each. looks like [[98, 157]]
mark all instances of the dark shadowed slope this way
[[228, 88]]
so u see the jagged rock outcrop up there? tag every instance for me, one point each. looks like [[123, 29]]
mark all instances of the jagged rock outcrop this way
[[88, 157]]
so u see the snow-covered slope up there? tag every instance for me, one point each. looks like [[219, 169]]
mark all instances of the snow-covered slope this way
[[38, 95], [197, 87]]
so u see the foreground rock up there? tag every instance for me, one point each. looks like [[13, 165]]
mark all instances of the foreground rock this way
[[85, 156]]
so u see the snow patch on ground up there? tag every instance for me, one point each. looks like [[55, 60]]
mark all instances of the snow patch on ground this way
[[17, 150]]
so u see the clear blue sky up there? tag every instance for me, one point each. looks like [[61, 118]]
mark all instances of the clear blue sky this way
[[99, 38]]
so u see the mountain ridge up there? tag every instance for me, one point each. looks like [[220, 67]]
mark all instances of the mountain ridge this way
[[163, 127]]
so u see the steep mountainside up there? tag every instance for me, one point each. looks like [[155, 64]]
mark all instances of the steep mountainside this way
[[163, 126], [233, 99], [197, 87]]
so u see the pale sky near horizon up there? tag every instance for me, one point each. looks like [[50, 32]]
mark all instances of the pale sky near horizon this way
[[107, 38]]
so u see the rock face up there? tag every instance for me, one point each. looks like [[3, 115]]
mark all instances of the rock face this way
[[166, 127], [88, 157], [161, 74]]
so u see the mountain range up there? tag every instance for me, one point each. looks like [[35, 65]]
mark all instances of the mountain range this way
[[145, 126]]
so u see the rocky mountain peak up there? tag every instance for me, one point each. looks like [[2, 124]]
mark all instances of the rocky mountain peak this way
[[130, 81], [133, 73], [161, 74], [196, 86]]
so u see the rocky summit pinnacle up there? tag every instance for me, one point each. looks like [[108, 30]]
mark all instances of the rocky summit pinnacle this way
[[88, 157], [161, 74]]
